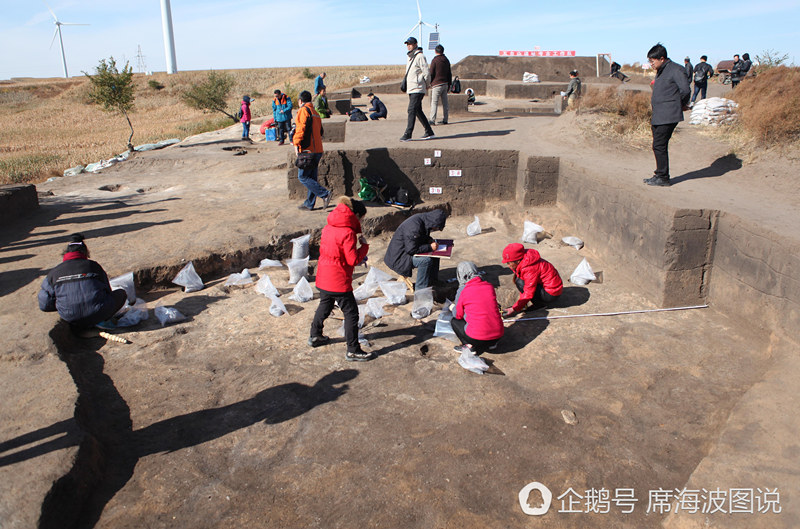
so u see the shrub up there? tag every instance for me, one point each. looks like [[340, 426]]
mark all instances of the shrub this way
[[113, 89], [769, 59], [291, 92], [211, 95], [769, 105], [307, 74], [155, 85]]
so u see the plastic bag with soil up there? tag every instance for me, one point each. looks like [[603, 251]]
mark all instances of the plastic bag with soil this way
[[530, 232], [423, 303], [167, 315], [125, 282], [189, 279], [277, 308], [582, 274], [374, 307], [395, 291], [134, 314], [302, 291], [474, 227], [298, 269], [239, 280], [300, 248]]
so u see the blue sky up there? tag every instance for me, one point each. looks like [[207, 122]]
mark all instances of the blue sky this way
[[259, 34]]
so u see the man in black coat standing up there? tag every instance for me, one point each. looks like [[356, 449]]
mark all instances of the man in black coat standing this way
[[413, 236], [670, 98]]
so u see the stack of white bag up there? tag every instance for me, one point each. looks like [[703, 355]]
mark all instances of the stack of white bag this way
[[713, 111]]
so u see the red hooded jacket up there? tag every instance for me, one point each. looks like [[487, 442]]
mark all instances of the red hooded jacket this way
[[338, 250], [534, 270], [477, 305]]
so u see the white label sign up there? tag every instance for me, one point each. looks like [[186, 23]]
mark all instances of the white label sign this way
[[437, 154], [428, 161], [435, 190], [455, 172]]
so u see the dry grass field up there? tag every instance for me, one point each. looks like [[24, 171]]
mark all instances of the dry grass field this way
[[48, 125]]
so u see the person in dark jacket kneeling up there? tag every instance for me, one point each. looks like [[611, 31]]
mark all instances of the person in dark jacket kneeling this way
[[79, 289], [413, 236], [341, 248], [477, 321], [536, 279]]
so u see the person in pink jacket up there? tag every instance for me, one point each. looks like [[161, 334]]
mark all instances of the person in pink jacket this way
[[477, 321], [341, 248], [245, 119], [536, 279]]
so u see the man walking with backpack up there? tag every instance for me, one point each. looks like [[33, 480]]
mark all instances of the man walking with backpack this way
[[415, 84], [702, 73], [441, 77]]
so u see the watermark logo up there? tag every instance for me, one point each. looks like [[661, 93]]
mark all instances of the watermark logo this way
[[524, 494]]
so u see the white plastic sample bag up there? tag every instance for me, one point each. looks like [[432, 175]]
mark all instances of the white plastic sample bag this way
[[530, 232], [189, 279], [423, 303], [472, 362], [366, 290], [134, 314], [395, 291], [265, 286], [474, 227], [374, 307], [573, 241], [362, 313], [528, 77], [125, 282], [277, 308], [240, 279], [266, 263], [167, 315], [443, 327], [302, 291], [582, 274], [375, 276], [300, 247], [298, 268]]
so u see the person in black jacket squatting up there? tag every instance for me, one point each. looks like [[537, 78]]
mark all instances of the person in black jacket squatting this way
[[79, 290]]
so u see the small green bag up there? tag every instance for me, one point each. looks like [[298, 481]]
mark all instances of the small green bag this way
[[367, 192]]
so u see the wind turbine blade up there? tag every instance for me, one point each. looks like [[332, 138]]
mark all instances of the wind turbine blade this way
[[413, 29], [419, 11], [429, 25], [51, 11], [55, 34], [73, 24]]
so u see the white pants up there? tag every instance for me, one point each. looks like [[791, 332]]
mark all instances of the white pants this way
[[439, 92]]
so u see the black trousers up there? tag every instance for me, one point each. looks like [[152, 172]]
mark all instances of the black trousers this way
[[347, 302], [414, 113], [661, 136], [479, 346], [540, 296], [118, 299]]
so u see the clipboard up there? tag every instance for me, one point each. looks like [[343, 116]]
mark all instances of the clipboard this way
[[445, 253]]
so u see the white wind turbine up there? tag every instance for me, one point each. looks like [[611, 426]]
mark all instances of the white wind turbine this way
[[57, 33], [419, 25]]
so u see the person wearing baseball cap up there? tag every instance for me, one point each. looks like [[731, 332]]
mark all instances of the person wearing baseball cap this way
[[415, 84], [536, 279]]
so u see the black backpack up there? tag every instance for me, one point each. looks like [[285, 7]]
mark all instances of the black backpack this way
[[357, 115], [455, 86], [240, 114]]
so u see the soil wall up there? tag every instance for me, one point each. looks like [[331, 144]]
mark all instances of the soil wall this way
[[512, 68]]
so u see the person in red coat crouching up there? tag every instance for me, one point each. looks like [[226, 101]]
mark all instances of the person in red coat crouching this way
[[536, 279], [477, 321], [341, 248]]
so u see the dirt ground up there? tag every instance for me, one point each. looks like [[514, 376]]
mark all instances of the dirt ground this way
[[230, 420]]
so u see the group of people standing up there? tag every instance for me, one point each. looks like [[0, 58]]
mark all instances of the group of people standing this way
[[418, 78]]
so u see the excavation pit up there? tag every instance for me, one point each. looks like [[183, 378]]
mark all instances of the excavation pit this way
[[231, 419]]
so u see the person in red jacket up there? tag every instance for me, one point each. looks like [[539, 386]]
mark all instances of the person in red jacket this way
[[477, 321], [536, 279], [245, 119], [341, 248]]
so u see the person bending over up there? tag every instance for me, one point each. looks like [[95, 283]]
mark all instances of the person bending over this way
[[536, 279], [79, 290], [413, 236], [477, 322]]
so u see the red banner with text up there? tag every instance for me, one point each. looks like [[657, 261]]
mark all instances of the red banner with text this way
[[538, 53]]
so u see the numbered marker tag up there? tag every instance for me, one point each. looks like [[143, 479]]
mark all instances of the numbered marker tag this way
[[455, 172], [428, 161], [437, 154], [435, 190]]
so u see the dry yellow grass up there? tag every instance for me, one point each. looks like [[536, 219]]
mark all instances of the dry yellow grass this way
[[48, 125]]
